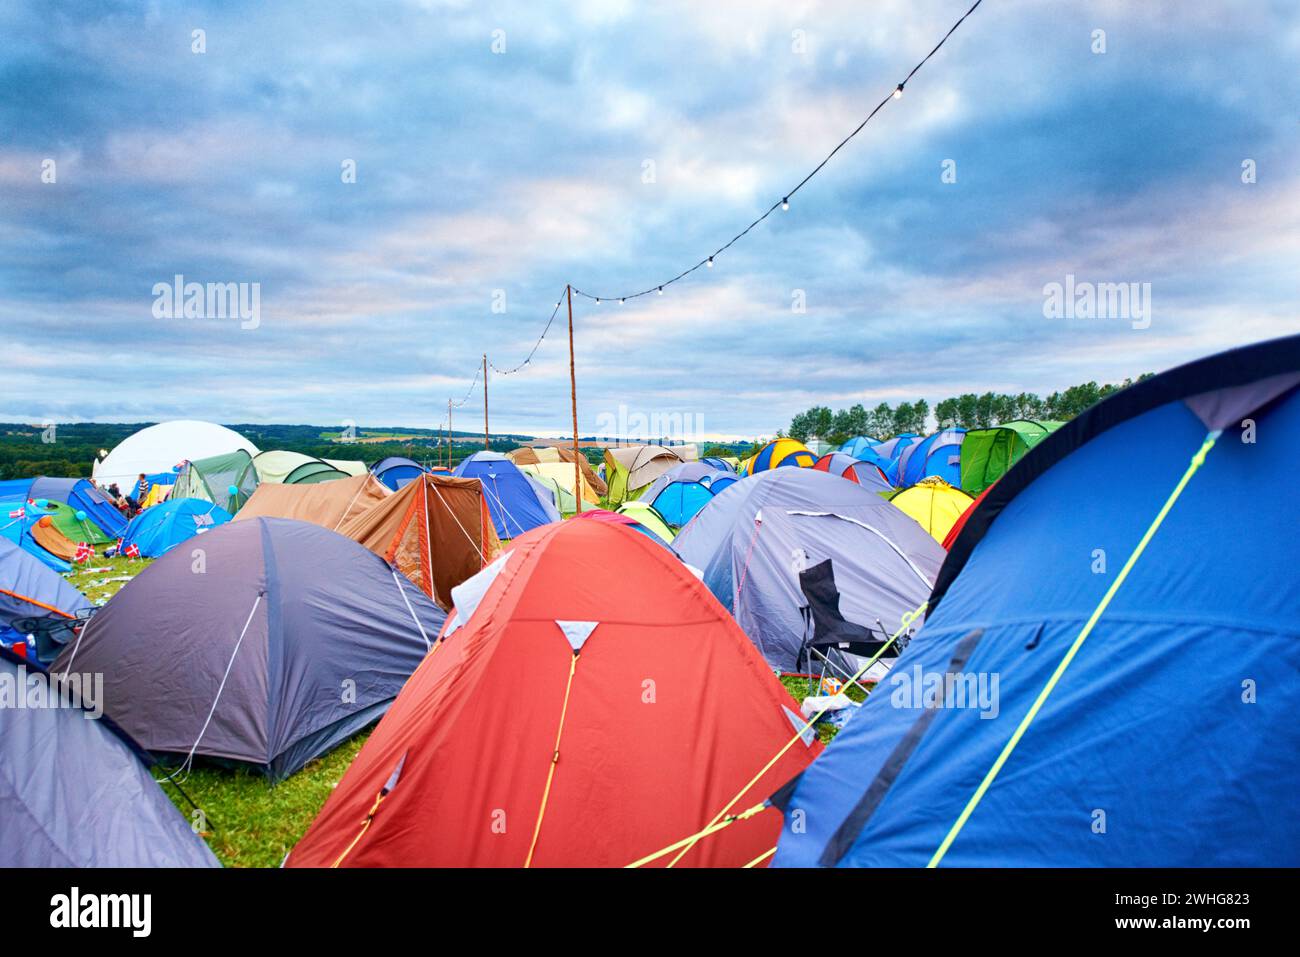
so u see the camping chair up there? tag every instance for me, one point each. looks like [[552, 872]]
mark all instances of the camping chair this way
[[828, 635], [50, 633]]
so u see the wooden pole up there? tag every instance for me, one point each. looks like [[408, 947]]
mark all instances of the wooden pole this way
[[573, 392], [449, 435], [486, 441]]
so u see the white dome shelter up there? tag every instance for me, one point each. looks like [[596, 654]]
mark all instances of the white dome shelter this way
[[159, 447]]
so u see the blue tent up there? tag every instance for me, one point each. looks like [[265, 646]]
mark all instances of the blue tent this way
[[78, 793], [28, 589], [721, 465], [162, 527], [512, 500], [78, 494], [859, 444], [1144, 707], [936, 455], [395, 471], [18, 529], [685, 489]]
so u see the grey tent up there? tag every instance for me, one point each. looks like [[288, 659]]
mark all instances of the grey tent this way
[[266, 642], [756, 537], [76, 792]]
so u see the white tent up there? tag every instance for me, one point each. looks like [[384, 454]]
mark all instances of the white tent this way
[[159, 447]]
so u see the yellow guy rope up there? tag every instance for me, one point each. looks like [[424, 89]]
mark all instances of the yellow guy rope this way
[[1197, 461], [718, 822], [555, 759]]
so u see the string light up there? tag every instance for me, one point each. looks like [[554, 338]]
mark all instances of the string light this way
[[783, 203]]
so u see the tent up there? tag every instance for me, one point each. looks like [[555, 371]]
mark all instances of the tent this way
[[160, 447], [549, 454], [863, 473], [78, 494], [327, 504], [958, 525], [630, 520], [395, 471], [561, 474], [685, 489], [274, 466], [211, 480], [630, 470], [648, 518], [819, 447], [78, 793], [1150, 623], [290, 640], [314, 472], [934, 504], [436, 530], [859, 443], [938, 455], [986, 454], [720, 463], [513, 501], [553, 494], [892, 449], [753, 540], [644, 713], [158, 530], [777, 453], [66, 521], [28, 589], [25, 526]]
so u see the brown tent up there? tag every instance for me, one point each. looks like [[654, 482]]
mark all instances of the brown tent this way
[[52, 540], [330, 504], [550, 453], [435, 529]]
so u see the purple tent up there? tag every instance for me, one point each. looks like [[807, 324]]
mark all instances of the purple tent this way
[[265, 642], [754, 539], [78, 793]]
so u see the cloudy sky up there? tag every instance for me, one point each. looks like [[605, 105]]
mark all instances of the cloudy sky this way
[[503, 150]]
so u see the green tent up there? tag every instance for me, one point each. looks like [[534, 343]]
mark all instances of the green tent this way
[[563, 497], [65, 520], [646, 514], [986, 454], [212, 478]]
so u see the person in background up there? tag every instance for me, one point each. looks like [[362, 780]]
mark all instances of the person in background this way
[[141, 489]]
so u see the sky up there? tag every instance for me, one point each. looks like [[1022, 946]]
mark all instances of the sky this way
[[504, 150]]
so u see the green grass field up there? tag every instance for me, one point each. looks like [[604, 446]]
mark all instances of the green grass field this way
[[247, 821]]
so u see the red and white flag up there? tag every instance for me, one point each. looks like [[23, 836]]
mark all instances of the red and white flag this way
[[16, 513], [132, 551], [84, 553]]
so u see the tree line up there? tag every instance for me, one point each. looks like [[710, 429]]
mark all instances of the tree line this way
[[968, 411]]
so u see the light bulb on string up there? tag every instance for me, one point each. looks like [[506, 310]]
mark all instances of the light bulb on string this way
[[785, 202], [710, 262], [661, 290], [898, 91]]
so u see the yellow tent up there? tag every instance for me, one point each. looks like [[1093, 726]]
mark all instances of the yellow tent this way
[[561, 473], [934, 503]]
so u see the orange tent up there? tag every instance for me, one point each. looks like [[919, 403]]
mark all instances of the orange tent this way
[[532, 456], [329, 504], [647, 715], [436, 530], [52, 540]]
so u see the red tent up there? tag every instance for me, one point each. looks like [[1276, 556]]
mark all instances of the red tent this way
[[589, 703], [961, 521]]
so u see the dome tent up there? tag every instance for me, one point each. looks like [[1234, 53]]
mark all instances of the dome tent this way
[[754, 539], [630, 470], [211, 480], [987, 454], [78, 793], [863, 473], [550, 455], [685, 489], [395, 471], [1126, 689], [158, 530], [327, 504], [935, 505], [264, 642], [778, 453], [514, 502], [29, 589], [936, 455], [160, 447], [624, 785], [78, 494]]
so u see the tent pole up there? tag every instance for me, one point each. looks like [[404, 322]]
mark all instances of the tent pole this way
[[573, 393], [449, 435], [486, 442]]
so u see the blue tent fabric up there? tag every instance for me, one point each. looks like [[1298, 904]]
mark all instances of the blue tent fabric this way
[[683, 490], [81, 495], [754, 537], [722, 465], [162, 527], [512, 500], [1154, 723], [937, 455], [857, 445], [76, 792], [395, 471], [28, 589], [299, 636], [18, 531]]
